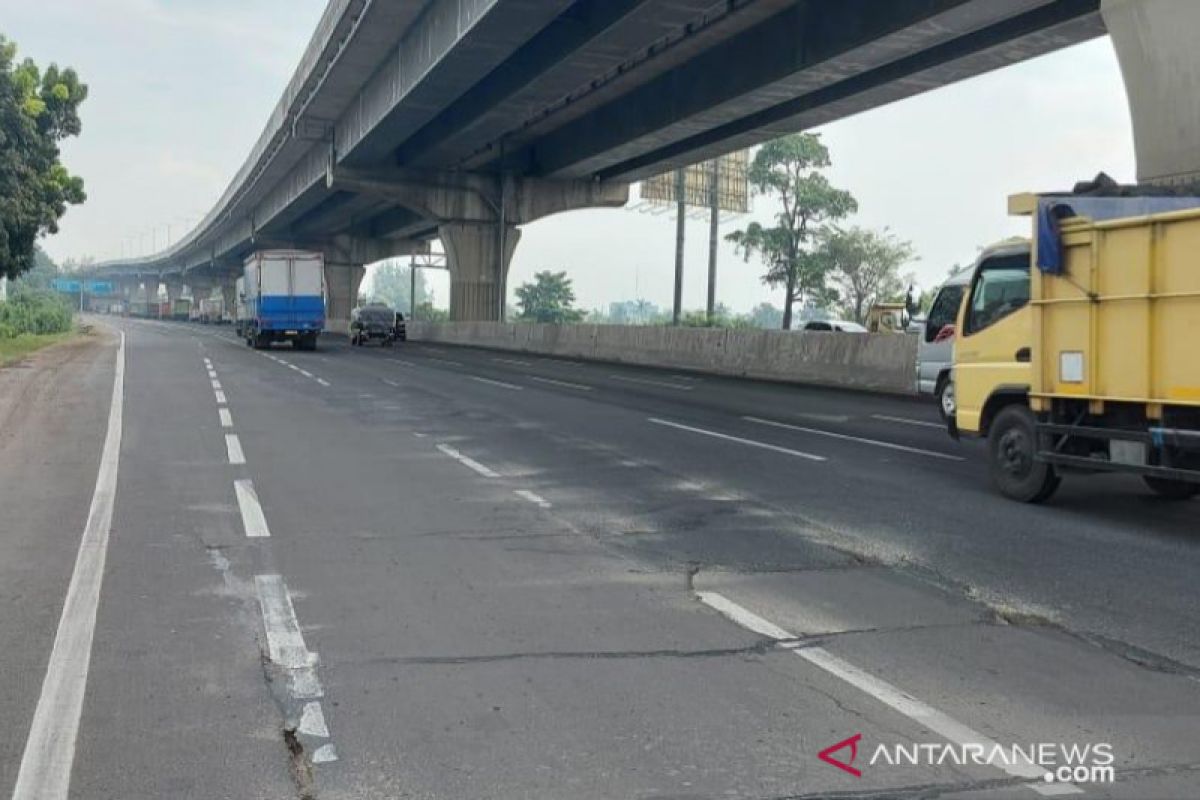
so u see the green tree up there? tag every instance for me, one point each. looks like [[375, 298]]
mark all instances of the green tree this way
[[765, 315], [39, 276], [549, 298], [788, 170], [427, 312], [865, 266], [391, 285], [37, 111]]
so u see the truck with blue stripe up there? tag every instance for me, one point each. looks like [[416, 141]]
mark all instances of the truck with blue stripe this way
[[284, 297]]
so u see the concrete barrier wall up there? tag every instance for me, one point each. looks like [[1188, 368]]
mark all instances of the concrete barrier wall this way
[[874, 362]]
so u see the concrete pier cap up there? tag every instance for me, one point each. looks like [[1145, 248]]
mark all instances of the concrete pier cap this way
[[1155, 41]]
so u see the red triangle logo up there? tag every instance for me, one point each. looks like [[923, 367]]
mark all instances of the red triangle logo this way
[[826, 755]]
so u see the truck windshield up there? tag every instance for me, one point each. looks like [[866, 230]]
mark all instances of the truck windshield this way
[[1001, 288]]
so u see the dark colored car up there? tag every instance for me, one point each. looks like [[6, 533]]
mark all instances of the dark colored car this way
[[375, 323]]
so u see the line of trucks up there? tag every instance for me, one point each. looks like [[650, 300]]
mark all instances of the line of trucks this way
[[1070, 352], [280, 298]]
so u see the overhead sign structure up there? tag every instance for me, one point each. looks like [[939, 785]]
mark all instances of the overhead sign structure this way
[[72, 286], [721, 184], [733, 186]]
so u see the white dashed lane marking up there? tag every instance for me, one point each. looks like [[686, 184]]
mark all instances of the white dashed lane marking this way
[[907, 421], [468, 462], [220, 397], [254, 522], [288, 650], [859, 439], [225, 417], [739, 440], [532, 497], [648, 382], [501, 384], [565, 384], [233, 446]]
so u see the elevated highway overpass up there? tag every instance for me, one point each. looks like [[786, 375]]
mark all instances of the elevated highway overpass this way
[[464, 119]]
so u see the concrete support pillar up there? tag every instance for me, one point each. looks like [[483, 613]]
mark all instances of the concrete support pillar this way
[[477, 276], [1155, 42], [342, 282], [230, 298]]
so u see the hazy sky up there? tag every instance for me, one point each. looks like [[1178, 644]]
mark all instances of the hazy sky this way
[[180, 90]]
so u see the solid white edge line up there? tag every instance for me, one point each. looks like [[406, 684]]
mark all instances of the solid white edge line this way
[[220, 397], [738, 439], [514, 361], [501, 384], [859, 439], [225, 417], [254, 522], [907, 421], [893, 697], [566, 384], [532, 497], [233, 448], [468, 461], [444, 361], [46, 764]]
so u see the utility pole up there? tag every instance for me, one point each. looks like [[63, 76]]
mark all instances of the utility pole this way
[[714, 204], [412, 288], [680, 219]]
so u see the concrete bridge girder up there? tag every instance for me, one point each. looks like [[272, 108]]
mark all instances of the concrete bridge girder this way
[[1155, 41], [476, 217]]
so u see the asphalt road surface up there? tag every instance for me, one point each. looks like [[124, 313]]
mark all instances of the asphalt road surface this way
[[435, 572]]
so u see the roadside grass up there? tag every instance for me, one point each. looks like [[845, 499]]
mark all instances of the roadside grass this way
[[17, 347]]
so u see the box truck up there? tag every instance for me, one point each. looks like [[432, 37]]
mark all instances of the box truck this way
[[284, 296], [1073, 355]]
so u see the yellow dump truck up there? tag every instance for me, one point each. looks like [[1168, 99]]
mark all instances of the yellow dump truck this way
[[1079, 352]]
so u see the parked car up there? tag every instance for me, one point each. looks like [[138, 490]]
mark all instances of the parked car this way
[[935, 348], [833, 325], [373, 322]]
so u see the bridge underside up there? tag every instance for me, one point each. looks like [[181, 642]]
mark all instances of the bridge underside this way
[[480, 117]]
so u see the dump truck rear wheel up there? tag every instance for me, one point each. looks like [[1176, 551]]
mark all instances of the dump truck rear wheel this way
[[1172, 489], [1013, 449]]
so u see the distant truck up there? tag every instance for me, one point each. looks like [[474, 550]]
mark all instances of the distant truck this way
[[180, 309], [240, 314], [1074, 354], [212, 309], [285, 298]]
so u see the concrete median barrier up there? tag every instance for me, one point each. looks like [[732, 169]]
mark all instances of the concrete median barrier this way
[[871, 362]]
